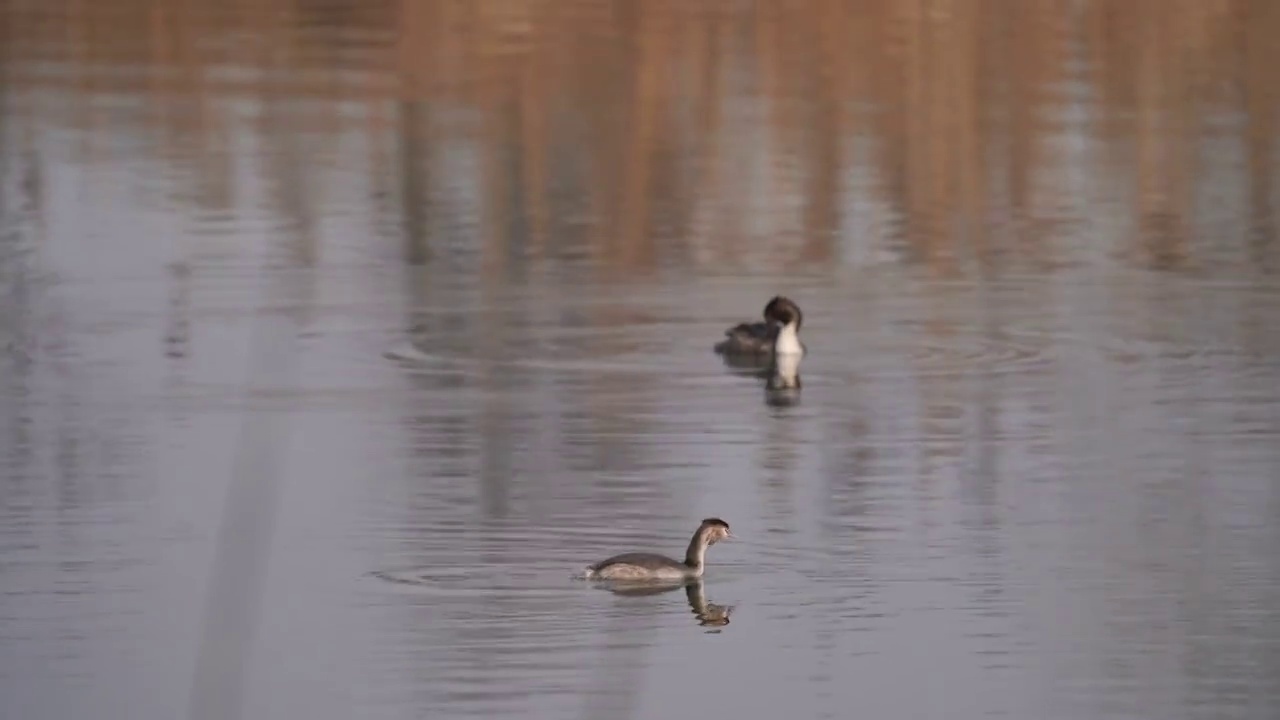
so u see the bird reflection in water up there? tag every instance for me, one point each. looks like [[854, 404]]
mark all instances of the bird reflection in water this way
[[709, 614], [748, 365], [782, 386], [780, 373]]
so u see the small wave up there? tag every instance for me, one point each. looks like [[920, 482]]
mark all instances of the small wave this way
[[403, 577], [406, 352]]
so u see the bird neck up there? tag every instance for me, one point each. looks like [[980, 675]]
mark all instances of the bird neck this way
[[788, 341], [697, 552]]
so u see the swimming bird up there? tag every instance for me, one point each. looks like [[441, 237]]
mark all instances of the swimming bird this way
[[779, 334], [652, 566]]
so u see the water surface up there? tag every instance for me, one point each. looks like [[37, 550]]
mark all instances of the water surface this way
[[334, 338]]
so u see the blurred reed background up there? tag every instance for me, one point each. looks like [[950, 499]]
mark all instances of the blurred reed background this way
[[719, 136]]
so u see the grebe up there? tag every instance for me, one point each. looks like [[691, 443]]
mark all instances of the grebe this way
[[779, 334], [652, 566]]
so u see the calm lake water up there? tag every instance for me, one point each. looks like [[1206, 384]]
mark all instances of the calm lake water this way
[[336, 337]]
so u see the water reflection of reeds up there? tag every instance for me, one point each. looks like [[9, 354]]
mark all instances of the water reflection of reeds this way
[[676, 132]]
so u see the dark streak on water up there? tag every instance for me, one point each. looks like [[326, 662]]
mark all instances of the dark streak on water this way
[[255, 464]]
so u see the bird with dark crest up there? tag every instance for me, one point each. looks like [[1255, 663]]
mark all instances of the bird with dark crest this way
[[653, 566], [779, 334]]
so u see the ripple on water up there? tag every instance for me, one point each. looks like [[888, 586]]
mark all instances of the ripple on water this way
[[965, 349], [414, 359]]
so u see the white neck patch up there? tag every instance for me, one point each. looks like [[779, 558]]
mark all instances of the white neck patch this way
[[788, 342]]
